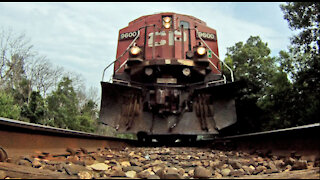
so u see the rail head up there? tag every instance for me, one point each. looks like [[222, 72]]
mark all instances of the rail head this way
[[42, 129]]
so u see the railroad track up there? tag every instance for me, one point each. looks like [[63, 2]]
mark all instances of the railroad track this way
[[26, 151], [22, 138]]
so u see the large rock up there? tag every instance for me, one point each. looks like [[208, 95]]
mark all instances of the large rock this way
[[36, 163], [125, 163], [259, 169], [289, 161], [201, 172], [273, 167], [153, 156], [84, 175], [279, 163], [225, 172], [172, 170], [145, 174], [300, 164], [248, 169], [131, 174], [118, 173], [161, 173], [217, 175], [74, 169], [132, 168], [157, 168], [237, 173], [135, 162], [216, 163], [99, 167], [235, 164]]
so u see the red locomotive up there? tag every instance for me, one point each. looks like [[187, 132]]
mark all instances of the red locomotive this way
[[168, 80]]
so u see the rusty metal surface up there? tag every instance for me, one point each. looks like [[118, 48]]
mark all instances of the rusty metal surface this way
[[126, 109], [21, 138], [296, 141]]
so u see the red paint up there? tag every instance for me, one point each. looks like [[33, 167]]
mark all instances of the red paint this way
[[165, 51]]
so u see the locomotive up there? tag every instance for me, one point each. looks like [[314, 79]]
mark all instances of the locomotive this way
[[168, 82]]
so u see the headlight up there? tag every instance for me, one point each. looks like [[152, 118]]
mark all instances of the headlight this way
[[166, 22], [201, 50], [135, 50], [167, 25], [167, 19], [186, 71]]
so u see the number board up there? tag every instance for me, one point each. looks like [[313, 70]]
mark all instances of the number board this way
[[128, 35], [206, 36]]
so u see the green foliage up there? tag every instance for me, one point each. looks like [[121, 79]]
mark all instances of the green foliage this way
[[64, 110], [7, 107], [90, 109], [126, 136], [260, 100], [283, 91], [62, 105], [35, 111], [85, 123], [305, 57], [88, 118], [304, 16], [22, 72]]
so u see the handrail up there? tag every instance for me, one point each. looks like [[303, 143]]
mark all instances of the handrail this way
[[133, 41], [126, 49], [121, 65], [122, 53], [231, 72]]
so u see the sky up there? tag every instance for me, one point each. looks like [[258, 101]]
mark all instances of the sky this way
[[82, 36]]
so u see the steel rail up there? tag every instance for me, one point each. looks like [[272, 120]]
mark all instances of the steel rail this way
[[301, 141], [22, 138]]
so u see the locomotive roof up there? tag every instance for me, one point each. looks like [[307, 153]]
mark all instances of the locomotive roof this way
[[167, 13]]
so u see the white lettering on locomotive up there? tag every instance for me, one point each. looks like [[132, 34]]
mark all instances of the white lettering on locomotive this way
[[207, 36], [160, 43], [128, 35], [176, 35]]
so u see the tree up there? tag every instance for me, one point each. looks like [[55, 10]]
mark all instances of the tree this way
[[256, 103], [15, 50], [27, 78], [7, 107], [43, 75], [88, 117], [305, 53], [62, 105], [35, 111], [65, 110], [304, 17]]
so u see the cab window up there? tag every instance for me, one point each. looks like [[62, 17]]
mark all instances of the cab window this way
[[185, 24]]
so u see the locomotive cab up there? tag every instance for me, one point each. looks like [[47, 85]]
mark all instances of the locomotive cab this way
[[167, 79]]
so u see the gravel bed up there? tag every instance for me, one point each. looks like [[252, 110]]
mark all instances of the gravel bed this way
[[162, 163]]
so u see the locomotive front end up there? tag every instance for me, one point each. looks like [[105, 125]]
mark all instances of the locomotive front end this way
[[167, 79]]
